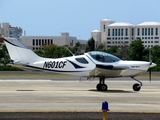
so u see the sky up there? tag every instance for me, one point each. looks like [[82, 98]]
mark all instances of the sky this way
[[78, 17]]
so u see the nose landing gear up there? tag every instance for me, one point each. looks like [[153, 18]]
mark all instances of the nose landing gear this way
[[136, 86]]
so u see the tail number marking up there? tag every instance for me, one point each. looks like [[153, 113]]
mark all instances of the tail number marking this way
[[54, 64]]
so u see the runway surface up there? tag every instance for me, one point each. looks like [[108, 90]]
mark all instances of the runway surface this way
[[69, 99]]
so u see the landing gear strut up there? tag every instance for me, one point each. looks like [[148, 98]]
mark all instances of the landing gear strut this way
[[102, 86], [136, 86]]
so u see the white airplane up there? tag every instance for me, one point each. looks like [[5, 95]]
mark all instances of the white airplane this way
[[91, 64]]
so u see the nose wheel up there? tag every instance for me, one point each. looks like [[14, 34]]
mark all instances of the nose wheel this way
[[136, 86], [102, 86]]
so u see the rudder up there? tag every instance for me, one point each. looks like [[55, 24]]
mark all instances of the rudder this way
[[19, 52]]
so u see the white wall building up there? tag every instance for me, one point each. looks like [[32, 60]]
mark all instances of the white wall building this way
[[96, 34], [123, 33], [36, 42], [149, 32]]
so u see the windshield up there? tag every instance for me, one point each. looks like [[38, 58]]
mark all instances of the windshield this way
[[103, 57]]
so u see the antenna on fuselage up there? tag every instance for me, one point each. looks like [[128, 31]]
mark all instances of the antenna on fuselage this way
[[69, 51]]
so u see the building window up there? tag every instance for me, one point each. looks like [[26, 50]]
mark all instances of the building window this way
[[148, 31], [45, 42], [126, 32], [138, 32], [122, 32], [108, 32], [33, 42], [156, 37], [156, 31], [42, 42], [132, 31], [36, 41], [108, 38], [138, 38], [118, 32], [156, 41], [126, 42], [142, 31], [151, 31], [104, 28], [112, 32], [48, 41], [39, 42], [71, 43], [51, 41]]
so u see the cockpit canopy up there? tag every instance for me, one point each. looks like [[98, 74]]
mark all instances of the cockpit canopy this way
[[103, 57]]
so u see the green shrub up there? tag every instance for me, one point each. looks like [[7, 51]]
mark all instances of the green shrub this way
[[9, 68]]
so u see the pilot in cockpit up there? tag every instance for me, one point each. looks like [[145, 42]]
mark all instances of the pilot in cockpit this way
[[100, 58]]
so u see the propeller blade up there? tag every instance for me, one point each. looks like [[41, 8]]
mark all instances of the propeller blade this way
[[150, 59], [150, 74]]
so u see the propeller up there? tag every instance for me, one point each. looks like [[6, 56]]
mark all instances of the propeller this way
[[150, 60]]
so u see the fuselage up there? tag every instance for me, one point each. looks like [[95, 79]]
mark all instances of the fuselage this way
[[91, 64]]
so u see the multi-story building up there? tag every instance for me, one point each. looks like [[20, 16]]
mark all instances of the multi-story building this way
[[9, 31], [149, 33], [96, 34], [36, 42], [122, 33]]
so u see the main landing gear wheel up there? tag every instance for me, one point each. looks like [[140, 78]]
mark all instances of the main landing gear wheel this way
[[102, 86], [136, 87]]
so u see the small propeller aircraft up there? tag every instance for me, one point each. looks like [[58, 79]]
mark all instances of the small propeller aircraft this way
[[91, 64]]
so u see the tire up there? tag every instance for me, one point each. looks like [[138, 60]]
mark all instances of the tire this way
[[104, 87], [98, 87], [136, 87]]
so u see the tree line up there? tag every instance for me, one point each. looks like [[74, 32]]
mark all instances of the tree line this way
[[135, 51]]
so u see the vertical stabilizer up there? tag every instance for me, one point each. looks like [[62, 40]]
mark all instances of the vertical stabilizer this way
[[19, 52]]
